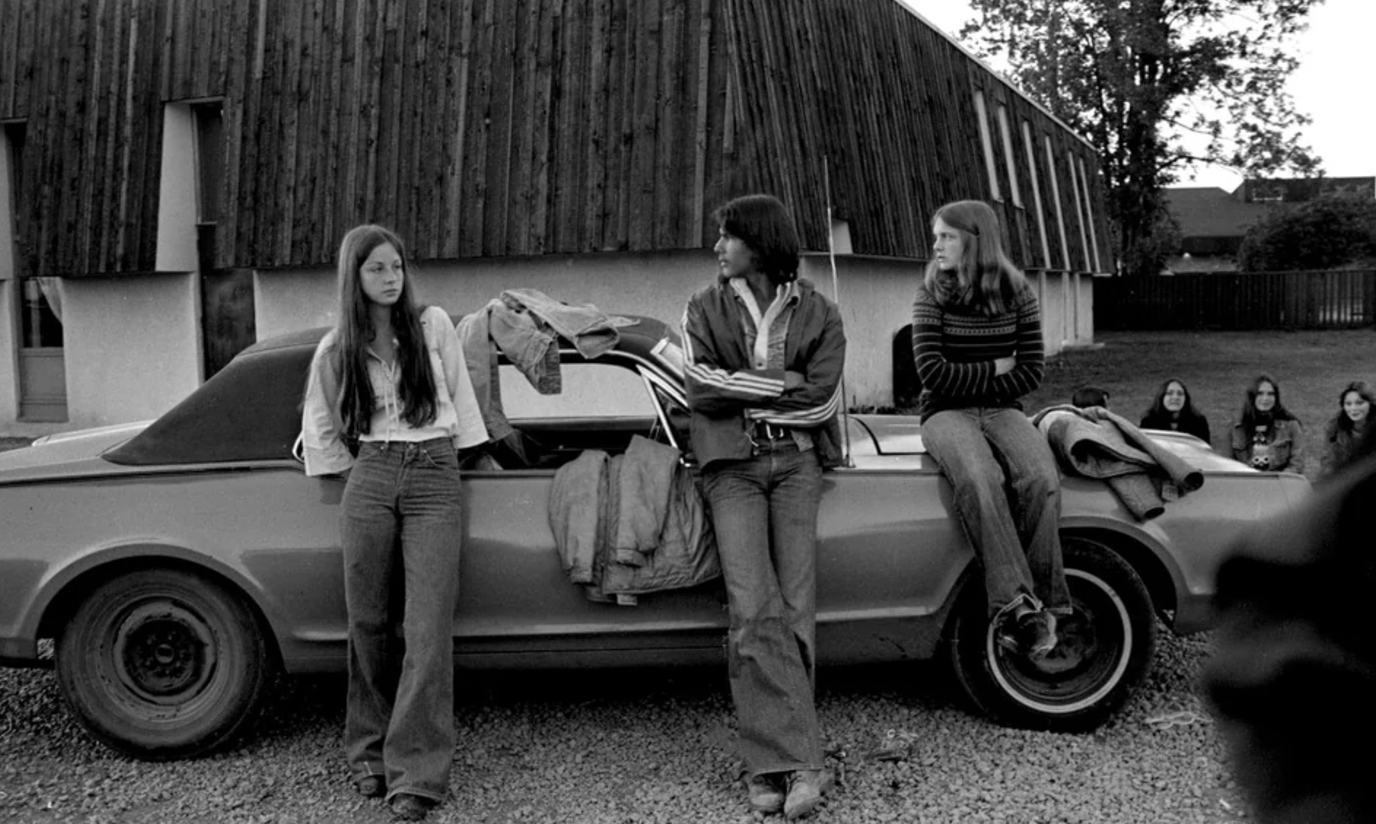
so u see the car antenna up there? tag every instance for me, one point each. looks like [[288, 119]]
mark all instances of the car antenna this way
[[836, 294]]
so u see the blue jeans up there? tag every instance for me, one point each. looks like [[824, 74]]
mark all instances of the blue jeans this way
[[1008, 495], [401, 535], [764, 513]]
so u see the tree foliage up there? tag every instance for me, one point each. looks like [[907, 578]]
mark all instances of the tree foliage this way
[[1139, 77], [1325, 233]]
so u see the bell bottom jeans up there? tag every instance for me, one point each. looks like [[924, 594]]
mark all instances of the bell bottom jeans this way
[[1008, 495], [764, 513], [401, 536]]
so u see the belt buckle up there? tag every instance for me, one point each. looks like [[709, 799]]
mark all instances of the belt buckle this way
[[772, 432]]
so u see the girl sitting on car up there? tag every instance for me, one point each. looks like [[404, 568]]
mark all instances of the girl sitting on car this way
[[387, 406], [977, 343]]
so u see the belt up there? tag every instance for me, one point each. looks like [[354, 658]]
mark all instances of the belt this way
[[765, 431]]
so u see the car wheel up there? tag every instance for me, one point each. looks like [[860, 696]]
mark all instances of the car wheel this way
[[163, 663], [1104, 650]]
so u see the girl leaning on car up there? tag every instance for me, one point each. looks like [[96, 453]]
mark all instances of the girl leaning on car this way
[[977, 343], [765, 352], [388, 404]]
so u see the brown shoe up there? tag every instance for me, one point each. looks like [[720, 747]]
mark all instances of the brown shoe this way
[[765, 795], [805, 791]]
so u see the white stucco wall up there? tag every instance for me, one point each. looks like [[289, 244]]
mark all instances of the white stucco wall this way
[[133, 346]]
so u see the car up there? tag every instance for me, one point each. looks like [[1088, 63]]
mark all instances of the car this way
[[173, 567]]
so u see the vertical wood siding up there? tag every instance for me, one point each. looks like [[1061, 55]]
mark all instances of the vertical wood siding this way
[[483, 128]]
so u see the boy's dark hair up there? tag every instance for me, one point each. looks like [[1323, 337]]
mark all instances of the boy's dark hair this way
[[1087, 396], [764, 224]]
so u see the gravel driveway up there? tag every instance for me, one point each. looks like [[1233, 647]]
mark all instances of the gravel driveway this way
[[647, 746]]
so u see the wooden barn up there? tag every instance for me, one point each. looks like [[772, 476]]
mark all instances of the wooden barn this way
[[177, 174]]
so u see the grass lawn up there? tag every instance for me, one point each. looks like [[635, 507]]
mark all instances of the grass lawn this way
[[1311, 368]]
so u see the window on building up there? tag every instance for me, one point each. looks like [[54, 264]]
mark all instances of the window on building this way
[[42, 389], [1056, 200], [1007, 136], [1080, 210], [987, 141], [1089, 217], [227, 315], [1037, 204]]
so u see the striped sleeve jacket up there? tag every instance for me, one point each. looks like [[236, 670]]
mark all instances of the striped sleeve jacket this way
[[954, 350], [725, 393]]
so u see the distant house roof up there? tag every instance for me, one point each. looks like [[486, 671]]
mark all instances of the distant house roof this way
[[1208, 211]]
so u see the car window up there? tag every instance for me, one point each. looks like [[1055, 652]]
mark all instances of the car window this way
[[590, 390]]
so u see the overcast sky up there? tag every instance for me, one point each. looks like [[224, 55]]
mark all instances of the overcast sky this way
[[1332, 85]]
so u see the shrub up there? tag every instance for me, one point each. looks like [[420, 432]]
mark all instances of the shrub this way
[[1329, 232]]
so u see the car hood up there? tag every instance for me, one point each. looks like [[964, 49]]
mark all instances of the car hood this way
[[902, 435], [894, 434], [65, 454]]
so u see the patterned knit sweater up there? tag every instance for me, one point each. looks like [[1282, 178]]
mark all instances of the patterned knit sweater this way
[[955, 348]]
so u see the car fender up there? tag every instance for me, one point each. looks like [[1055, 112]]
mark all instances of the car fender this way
[[61, 588], [1148, 549]]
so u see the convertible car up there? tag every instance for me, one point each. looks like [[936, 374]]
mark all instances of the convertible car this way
[[177, 565]]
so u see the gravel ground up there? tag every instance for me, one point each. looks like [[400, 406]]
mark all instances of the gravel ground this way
[[647, 746]]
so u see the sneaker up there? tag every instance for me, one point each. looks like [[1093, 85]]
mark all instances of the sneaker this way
[[805, 791], [1032, 634], [410, 807], [765, 795], [371, 786]]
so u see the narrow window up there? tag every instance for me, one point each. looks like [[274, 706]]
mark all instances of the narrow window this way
[[1007, 136], [988, 143], [1089, 217], [42, 362], [228, 325], [1079, 208], [1036, 191], [1056, 199]]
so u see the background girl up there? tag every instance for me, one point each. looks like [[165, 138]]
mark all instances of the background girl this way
[[1346, 429], [1174, 409], [1267, 436]]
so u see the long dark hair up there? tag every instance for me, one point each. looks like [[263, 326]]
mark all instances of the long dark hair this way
[[1158, 408], [763, 223], [355, 331], [1341, 421], [985, 279], [1251, 418]]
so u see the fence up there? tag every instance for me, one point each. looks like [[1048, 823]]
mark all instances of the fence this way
[[1259, 300]]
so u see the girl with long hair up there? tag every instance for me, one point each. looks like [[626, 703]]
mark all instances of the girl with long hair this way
[[977, 343], [387, 406], [1347, 428], [1174, 409], [1267, 436]]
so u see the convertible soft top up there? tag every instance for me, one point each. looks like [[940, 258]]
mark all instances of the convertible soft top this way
[[251, 410]]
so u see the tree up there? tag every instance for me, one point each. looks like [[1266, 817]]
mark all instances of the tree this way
[[1139, 77], [1324, 233]]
